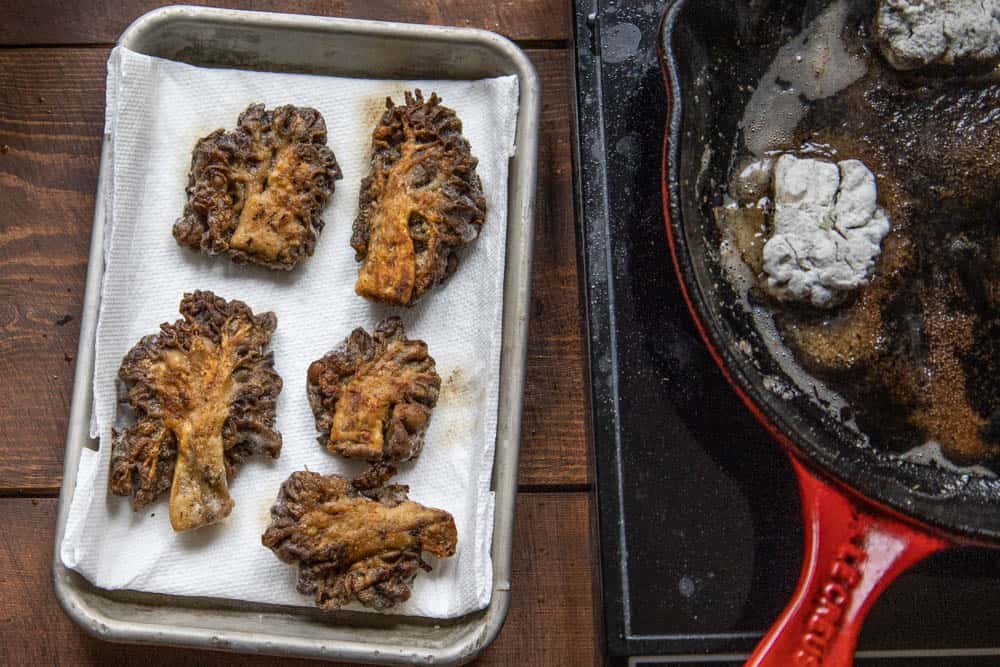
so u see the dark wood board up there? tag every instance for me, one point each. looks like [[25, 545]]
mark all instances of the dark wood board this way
[[550, 620], [36, 22], [51, 120]]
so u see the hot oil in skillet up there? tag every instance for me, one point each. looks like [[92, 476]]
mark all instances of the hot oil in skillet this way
[[917, 353]]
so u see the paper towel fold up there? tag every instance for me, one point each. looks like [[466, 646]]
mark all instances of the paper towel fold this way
[[157, 110]]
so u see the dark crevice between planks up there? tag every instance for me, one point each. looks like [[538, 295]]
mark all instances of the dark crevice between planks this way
[[539, 44], [554, 488], [551, 44], [53, 491], [50, 492], [82, 45]]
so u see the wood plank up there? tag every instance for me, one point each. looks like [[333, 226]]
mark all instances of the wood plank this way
[[553, 448], [550, 620], [51, 120], [34, 22]]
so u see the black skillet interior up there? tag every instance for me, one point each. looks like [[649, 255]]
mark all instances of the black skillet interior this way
[[715, 52]]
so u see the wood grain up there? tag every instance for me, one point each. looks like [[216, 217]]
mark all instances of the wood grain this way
[[553, 448], [51, 120], [34, 22], [550, 620]]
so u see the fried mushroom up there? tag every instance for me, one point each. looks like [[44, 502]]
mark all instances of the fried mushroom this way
[[372, 396], [422, 202], [353, 545], [256, 192], [202, 393]]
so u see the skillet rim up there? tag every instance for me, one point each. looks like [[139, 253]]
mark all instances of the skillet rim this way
[[957, 515]]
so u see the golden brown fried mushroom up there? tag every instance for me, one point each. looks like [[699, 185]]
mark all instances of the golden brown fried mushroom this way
[[372, 396], [256, 193], [203, 393], [422, 202], [354, 545]]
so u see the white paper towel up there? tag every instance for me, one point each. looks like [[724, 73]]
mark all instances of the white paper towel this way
[[157, 110]]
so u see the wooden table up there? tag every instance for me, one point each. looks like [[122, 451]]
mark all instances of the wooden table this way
[[52, 71]]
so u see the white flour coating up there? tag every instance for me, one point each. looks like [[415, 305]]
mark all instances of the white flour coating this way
[[914, 33], [828, 230]]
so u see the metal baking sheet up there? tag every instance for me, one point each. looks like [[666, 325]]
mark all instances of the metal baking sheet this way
[[336, 47]]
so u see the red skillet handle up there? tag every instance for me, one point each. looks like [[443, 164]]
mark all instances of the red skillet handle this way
[[852, 553]]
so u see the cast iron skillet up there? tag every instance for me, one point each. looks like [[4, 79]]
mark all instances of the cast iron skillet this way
[[868, 514]]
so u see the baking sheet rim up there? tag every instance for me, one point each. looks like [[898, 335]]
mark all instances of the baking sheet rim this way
[[71, 588]]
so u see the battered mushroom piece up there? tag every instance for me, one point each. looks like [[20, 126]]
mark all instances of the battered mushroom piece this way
[[202, 392], [256, 193], [917, 33], [351, 545], [422, 202], [372, 396]]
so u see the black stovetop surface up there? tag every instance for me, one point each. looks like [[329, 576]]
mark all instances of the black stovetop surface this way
[[698, 508]]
